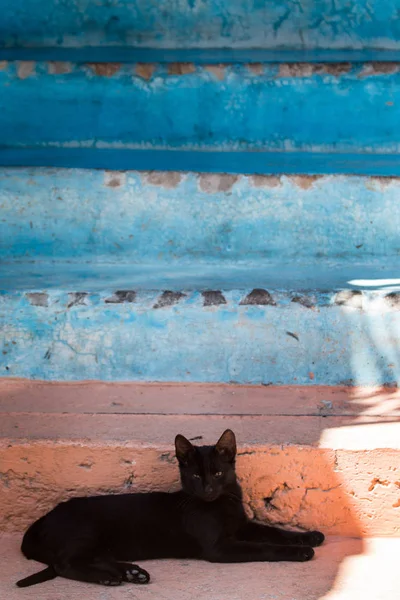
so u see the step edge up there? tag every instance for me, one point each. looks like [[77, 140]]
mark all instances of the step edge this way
[[212, 55], [250, 162]]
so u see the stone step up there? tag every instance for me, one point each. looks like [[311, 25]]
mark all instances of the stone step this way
[[343, 569], [254, 336], [263, 118], [87, 230], [328, 459], [218, 24]]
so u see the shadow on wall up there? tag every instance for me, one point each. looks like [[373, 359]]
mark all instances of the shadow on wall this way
[[353, 484]]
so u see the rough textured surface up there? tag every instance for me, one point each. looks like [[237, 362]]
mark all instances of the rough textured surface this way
[[343, 569], [263, 337], [93, 217], [328, 459], [191, 23], [276, 110], [341, 492]]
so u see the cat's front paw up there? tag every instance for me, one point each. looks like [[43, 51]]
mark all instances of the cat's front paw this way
[[305, 553], [314, 538], [134, 574]]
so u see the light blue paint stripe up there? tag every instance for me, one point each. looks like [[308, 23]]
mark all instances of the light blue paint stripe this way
[[331, 345], [36, 275], [61, 227], [207, 56], [236, 162], [78, 229]]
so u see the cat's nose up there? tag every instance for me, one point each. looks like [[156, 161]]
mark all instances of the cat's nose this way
[[209, 489]]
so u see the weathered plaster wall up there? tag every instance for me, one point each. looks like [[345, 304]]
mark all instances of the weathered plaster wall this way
[[302, 24], [320, 108], [237, 336], [160, 229], [342, 492]]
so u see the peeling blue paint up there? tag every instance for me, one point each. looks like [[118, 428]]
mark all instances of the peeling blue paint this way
[[276, 108], [179, 117], [88, 247], [68, 214], [77, 229], [195, 23], [331, 343]]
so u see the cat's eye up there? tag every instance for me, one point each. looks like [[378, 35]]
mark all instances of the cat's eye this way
[[218, 474], [196, 476]]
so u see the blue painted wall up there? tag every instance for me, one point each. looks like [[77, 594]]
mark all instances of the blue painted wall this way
[[81, 229], [86, 247], [338, 117], [69, 337], [304, 24], [274, 107]]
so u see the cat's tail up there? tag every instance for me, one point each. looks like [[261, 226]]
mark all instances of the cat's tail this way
[[39, 577]]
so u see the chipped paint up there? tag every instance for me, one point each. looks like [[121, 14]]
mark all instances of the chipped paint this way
[[393, 299], [214, 298], [145, 70], [305, 301], [121, 296], [104, 69], [85, 229], [336, 69], [218, 71], [258, 297], [177, 336], [142, 114], [168, 180], [212, 184], [114, 179], [266, 181], [379, 68], [305, 182], [25, 69], [309, 69], [38, 298], [181, 68], [77, 299], [256, 68], [59, 68], [169, 298]]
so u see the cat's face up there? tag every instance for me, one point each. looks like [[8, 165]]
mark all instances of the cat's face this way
[[206, 471]]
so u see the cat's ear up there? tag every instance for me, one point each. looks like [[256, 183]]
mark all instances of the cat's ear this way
[[226, 445], [184, 449]]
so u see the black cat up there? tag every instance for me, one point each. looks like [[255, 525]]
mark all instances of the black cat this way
[[95, 539]]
